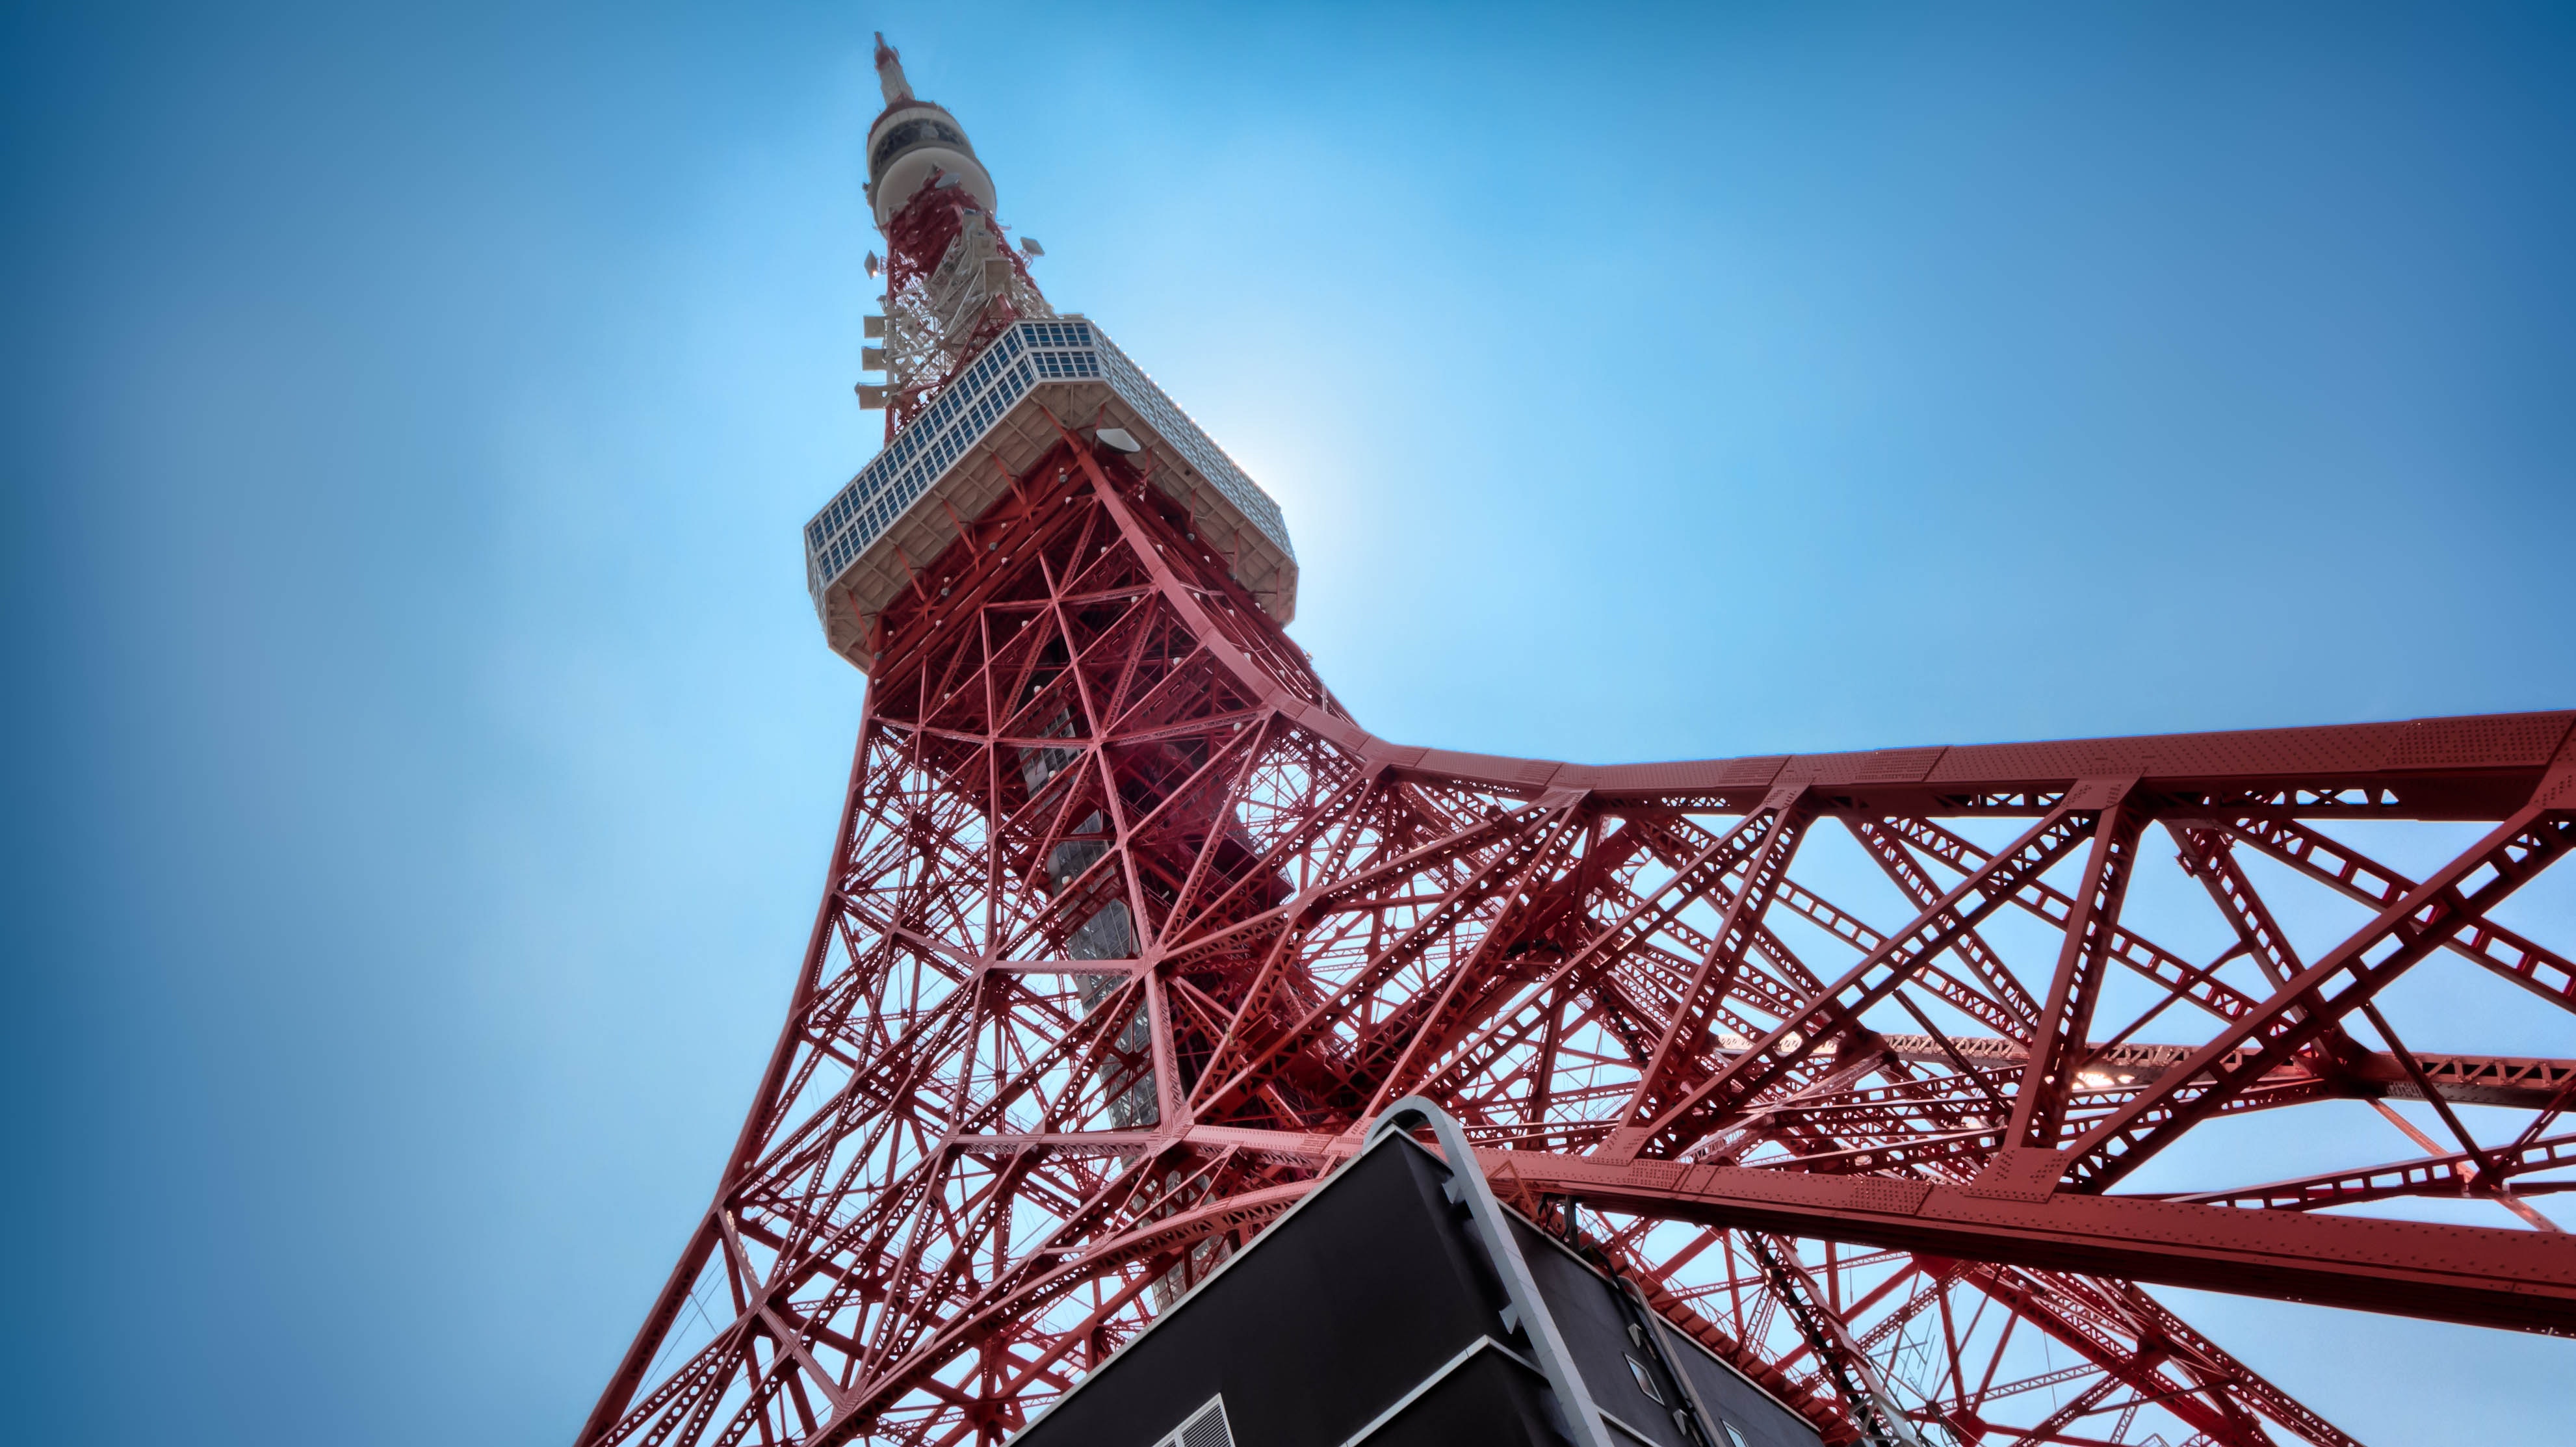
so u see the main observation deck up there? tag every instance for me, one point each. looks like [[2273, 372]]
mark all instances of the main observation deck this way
[[861, 549]]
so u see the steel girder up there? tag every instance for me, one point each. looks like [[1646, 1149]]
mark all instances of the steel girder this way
[[1131, 931]]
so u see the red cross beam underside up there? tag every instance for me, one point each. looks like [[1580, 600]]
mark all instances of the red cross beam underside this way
[[1892, 1073]]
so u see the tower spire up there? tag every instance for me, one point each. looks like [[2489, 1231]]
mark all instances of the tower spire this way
[[952, 280], [890, 73]]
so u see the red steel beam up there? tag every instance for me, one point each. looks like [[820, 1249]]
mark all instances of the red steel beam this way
[[2520, 1279]]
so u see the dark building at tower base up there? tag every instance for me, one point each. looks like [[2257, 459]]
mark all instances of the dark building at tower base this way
[[1374, 1314]]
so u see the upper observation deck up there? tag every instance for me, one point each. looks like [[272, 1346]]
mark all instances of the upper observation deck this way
[[860, 550]]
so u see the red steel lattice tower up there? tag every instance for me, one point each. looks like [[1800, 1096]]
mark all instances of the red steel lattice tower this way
[[1888, 1076]]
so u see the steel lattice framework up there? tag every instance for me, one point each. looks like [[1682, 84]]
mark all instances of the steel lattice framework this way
[[1130, 931], [1885, 1075]]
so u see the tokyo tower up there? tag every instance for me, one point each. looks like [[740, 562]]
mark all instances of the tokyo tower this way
[[1890, 1079]]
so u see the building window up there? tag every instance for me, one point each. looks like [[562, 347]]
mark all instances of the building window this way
[[1645, 1380]]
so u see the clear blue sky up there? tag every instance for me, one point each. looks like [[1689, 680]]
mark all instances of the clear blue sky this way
[[422, 754]]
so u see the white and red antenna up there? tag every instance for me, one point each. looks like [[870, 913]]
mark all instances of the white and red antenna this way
[[952, 281]]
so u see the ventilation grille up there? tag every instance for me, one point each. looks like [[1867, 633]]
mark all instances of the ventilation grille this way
[[1205, 1428]]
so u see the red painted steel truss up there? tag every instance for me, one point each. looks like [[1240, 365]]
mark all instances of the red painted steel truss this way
[[1130, 931]]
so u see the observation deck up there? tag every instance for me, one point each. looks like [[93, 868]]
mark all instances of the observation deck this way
[[862, 548]]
